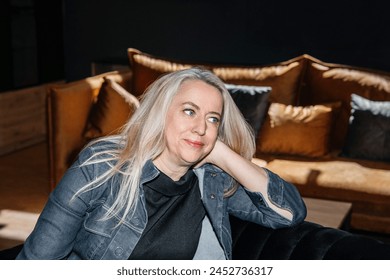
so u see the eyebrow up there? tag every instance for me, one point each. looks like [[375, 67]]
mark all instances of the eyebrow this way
[[198, 108]]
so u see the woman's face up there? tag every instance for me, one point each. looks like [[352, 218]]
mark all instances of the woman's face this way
[[192, 124]]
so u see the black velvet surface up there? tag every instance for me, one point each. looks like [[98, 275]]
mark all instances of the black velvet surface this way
[[10, 253], [307, 241]]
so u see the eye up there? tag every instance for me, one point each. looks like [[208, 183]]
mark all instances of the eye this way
[[214, 120], [189, 112]]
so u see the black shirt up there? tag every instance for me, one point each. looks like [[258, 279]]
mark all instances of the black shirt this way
[[175, 215]]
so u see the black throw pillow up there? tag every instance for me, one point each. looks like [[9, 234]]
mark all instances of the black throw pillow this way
[[252, 102], [369, 130]]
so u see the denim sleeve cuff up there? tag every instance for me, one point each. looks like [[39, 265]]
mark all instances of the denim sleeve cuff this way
[[282, 194], [275, 191]]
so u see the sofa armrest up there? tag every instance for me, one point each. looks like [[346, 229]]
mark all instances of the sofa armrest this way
[[69, 106], [68, 109], [307, 241]]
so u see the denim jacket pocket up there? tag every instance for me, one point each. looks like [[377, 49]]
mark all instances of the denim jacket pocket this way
[[96, 222]]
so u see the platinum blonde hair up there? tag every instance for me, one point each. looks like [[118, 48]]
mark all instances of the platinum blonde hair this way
[[142, 137]]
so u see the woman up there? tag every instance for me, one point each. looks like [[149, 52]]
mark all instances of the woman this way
[[165, 187]]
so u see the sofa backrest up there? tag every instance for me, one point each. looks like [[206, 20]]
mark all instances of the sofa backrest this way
[[300, 81], [328, 82], [284, 77]]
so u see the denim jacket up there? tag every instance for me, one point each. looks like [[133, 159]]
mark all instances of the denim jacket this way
[[74, 229]]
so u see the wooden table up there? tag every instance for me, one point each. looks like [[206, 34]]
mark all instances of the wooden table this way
[[328, 213]]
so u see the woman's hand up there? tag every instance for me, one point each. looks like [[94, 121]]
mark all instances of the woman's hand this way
[[216, 154], [244, 171], [248, 174]]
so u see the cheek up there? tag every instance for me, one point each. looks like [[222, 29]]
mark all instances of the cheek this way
[[174, 131], [213, 136]]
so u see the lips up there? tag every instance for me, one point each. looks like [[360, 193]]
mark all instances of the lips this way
[[195, 144]]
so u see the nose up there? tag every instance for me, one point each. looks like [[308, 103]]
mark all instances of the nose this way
[[199, 127]]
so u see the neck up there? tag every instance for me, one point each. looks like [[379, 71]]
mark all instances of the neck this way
[[173, 171]]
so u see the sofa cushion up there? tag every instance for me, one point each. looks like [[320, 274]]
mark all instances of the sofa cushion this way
[[147, 68], [296, 130], [252, 102], [337, 173], [284, 77], [362, 182], [112, 109], [326, 82], [369, 130]]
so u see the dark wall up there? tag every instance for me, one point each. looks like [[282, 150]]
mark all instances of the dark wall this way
[[31, 49], [236, 31], [50, 52], [5, 48], [216, 31]]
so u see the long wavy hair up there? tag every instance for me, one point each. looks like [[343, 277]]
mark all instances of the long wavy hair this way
[[142, 137]]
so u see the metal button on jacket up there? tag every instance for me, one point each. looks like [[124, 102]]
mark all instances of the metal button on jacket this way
[[136, 221], [118, 251]]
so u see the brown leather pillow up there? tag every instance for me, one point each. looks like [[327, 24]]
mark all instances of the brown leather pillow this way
[[147, 68], [296, 130], [283, 78], [112, 109]]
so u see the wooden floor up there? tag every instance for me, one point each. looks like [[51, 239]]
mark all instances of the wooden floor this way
[[24, 184]]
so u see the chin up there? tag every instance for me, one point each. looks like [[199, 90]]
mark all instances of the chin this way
[[192, 160], [192, 157]]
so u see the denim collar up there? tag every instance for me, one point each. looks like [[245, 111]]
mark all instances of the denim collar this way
[[149, 172]]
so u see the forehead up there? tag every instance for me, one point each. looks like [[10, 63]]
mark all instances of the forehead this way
[[199, 93]]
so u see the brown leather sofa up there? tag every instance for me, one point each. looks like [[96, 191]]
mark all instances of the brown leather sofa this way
[[307, 136]]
